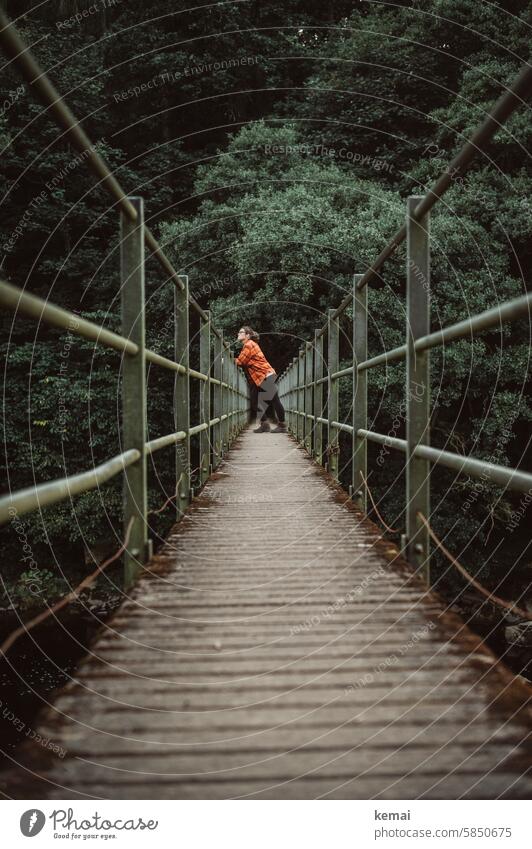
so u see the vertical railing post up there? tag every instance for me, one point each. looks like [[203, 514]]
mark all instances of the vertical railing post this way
[[230, 403], [286, 395], [302, 396], [228, 380], [297, 375], [332, 406], [292, 397], [205, 397], [417, 387], [224, 404], [301, 404], [360, 393], [318, 396], [299, 418], [243, 402], [231, 397], [247, 389], [309, 425], [238, 400], [287, 399], [217, 402], [306, 421], [234, 420], [135, 494], [182, 398], [311, 396], [246, 400], [288, 403]]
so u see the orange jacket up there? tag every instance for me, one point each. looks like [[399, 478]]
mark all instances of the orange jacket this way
[[254, 361]]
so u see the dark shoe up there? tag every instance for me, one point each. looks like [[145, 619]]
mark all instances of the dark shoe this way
[[263, 428], [281, 428]]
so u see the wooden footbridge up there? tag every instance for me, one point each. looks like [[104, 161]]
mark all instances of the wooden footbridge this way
[[276, 646]]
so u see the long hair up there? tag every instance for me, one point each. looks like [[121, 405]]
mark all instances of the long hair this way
[[251, 333]]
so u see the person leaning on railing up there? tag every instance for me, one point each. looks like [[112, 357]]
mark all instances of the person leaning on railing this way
[[263, 376]]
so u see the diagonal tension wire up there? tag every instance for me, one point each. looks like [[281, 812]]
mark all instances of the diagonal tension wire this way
[[390, 530], [86, 582], [490, 596], [73, 594]]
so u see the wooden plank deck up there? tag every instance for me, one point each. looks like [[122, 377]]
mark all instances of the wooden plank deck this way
[[279, 648]]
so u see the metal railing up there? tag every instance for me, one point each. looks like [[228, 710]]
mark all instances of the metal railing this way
[[223, 389], [313, 419]]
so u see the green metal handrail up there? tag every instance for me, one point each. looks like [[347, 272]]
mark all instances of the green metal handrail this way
[[52, 492], [218, 372], [301, 384]]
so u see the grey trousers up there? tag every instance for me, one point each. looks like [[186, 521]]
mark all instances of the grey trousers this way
[[268, 393]]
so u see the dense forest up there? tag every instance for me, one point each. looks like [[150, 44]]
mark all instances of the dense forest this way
[[274, 145]]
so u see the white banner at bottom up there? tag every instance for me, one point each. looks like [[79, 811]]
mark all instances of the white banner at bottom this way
[[255, 824]]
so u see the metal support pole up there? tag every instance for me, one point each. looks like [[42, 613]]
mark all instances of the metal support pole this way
[[230, 380], [299, 405], [243, 399], [318, 396], [205, 397], [297, 379], [304, 420], [238, 400], [231, 397], [302, 395], [135, 491], [308, 397], [417, 388], [333, 447], [292, 396], [232, 383], [182, 398], [288, 401], [225, 400], [360, 393], [217, 403]]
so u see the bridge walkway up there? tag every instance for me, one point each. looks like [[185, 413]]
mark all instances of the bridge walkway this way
[[278, 647]]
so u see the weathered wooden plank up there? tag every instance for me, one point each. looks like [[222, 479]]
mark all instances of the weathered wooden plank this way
[[371, 716], [466, 785], [149, 742], [289, 765]]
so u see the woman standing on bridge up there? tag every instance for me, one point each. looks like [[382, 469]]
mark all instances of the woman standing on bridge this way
[[263, 376]]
